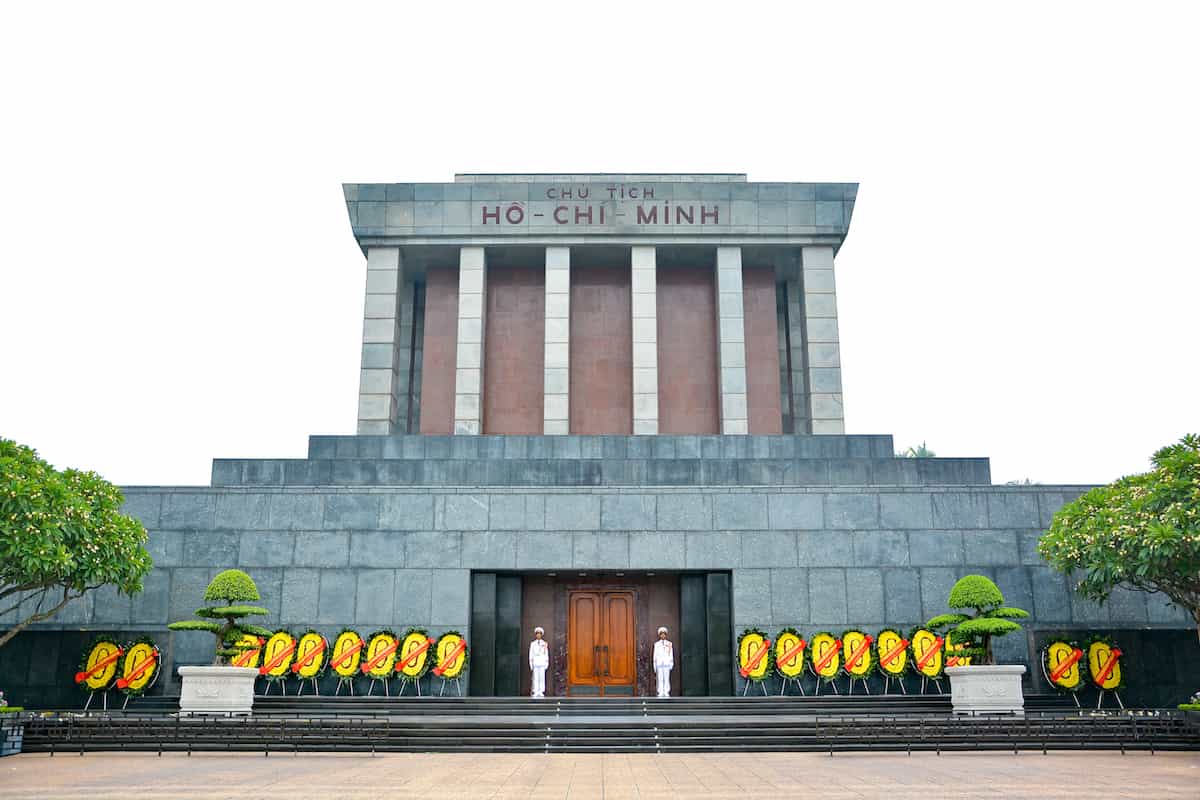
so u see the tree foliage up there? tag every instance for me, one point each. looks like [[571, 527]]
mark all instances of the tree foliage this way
[[975, 631], [920, 451], [1141, 532], [62, 534], [229, 590]]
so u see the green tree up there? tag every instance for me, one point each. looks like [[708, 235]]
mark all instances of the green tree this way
[[917, 452], [62, 534], [1141, 532], [991, 618], [230, 590]]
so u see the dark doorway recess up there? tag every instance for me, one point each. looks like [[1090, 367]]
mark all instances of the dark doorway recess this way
[[601, 631]]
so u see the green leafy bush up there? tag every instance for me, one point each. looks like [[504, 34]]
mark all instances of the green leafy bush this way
[[229, 591], [1141, 532], [975, 631], [62, 534]]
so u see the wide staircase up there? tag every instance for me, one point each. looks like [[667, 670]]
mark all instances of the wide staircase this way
[[825, 724]]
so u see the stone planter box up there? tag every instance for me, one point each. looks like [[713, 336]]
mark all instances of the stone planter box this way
[[12, 734], [987, 689], [217, 690]]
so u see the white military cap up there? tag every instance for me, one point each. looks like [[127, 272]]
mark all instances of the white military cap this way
[[662, 630], [539, 629]]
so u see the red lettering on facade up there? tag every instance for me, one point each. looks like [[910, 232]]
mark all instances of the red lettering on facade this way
[[514, 214], [563, 219], [644, 218], [681, 214], [495, 214], [715, 214], [582, 212]]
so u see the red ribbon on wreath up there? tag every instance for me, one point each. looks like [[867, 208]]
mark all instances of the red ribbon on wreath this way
[[897, 650], [790, 654], [277, 660], [451, 658], [346, 654], [408, 659], [80, 677], [380, 657], [137, 671], [931, 652], [758, 657], [829, 654], [1108, 667], [852, 659], [307, 658], [1066, 664]]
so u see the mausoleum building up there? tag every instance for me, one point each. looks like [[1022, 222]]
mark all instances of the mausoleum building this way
[[601, 404]]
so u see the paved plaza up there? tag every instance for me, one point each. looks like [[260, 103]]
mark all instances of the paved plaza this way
[[493, 775]]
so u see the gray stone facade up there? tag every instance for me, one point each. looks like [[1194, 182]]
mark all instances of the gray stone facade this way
[[829, 556]]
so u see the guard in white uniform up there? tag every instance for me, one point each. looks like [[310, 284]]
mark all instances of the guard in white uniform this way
[[664, 662], [539, 660]]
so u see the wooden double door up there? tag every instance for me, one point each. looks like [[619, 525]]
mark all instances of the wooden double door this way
[[600, 643]]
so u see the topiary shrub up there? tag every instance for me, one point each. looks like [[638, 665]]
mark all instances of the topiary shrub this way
[[229, 592], [975, 631]]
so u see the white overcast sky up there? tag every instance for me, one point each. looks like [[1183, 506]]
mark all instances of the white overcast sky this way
[[178, 278]]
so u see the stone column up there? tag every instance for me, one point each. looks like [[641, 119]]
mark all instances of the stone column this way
[[468, 373], [378, 404], [644, 302], [731, 349], [824, 358], [557, 366]]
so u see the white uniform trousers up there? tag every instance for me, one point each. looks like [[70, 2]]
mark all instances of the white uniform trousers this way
[[539, 682], [664, 681]]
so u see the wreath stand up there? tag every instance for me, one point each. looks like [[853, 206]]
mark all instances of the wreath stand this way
[[386, 687], [104, 697], [405, 681], [348, 682], [457, 685], [1100, 700], [887, 682], [148, 686], [937, 682], [820, 680], [1074, 694], [786, 680], [862, 680], [761, 684], [270, 683], [313, 681]]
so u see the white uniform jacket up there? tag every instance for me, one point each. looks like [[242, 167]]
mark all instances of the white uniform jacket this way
[[664, 654], [539, 654]]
